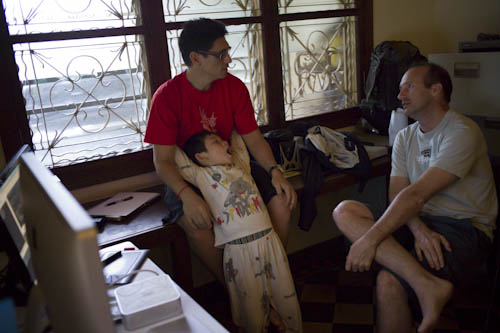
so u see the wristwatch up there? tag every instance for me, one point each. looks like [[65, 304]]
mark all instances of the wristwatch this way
[[276, 166]]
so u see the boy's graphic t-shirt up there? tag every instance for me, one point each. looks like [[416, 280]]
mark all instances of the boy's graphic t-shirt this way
[[231, 193]]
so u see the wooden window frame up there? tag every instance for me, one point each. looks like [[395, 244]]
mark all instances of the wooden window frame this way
[[15, 131]]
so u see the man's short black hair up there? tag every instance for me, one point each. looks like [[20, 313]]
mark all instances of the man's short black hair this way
[[437, 74], [199, 35], [196, 144]]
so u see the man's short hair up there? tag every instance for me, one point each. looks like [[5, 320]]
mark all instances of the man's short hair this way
[[199, 35], [437, 74], [196, 144]]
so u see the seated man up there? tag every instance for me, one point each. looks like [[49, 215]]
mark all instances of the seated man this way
[[207, 96], [442, 190]]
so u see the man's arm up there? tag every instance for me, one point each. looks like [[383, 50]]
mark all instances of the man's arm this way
[[405, 206], [195, 208], [409, 201], [427, 242], [261, 151]]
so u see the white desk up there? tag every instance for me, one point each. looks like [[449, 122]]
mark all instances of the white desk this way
[[194, 318]]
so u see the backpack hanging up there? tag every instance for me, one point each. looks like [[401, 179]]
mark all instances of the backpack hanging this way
[[388, 63]]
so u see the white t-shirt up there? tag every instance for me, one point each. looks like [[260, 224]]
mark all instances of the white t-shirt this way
[[457, 146], [231, 193]]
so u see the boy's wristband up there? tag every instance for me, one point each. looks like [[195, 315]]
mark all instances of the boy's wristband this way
[[180, 191]]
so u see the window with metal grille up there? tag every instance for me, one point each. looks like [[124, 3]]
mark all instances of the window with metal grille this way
[[88, 69]]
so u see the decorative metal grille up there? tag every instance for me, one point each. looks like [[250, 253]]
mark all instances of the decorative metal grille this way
[[37, 16], [300, 6], [183, 10], [85, 99], [246, 53], [319, 66]]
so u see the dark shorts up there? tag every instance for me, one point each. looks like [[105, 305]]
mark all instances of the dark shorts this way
[[260, 176], [464, 265]]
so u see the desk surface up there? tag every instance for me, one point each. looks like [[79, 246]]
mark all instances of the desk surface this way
[[146, 230], [194, 319]]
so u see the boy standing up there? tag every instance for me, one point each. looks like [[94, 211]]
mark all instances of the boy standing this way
[[256, 267]]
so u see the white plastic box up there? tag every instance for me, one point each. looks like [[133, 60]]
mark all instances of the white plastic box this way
[[148, 301]]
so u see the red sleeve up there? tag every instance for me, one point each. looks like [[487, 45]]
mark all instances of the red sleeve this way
[[244, 114]]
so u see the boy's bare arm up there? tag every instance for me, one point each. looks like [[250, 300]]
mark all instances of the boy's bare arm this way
[[196, 210]]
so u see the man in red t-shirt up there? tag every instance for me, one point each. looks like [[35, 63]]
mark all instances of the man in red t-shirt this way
[[206, 96]]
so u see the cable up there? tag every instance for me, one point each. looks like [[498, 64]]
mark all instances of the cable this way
[[132, 273]]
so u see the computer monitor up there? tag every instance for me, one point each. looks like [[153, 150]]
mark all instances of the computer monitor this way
[[13, 229], [63, 244]]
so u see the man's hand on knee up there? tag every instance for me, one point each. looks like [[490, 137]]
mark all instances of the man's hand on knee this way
[[428, 243], [196, 211]]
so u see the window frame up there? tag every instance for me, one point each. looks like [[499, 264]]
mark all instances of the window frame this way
[[14, 127]]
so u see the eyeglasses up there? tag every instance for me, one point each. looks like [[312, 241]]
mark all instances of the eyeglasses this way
[[220, 55]]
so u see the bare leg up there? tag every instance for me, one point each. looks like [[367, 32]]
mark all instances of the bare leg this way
[[393, 313], [354, 219], [276, 321], [280, 217], [202, 243]]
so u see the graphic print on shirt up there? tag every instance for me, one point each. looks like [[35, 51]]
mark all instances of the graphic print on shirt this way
[[208, 123], [425, 156], [242, 200]]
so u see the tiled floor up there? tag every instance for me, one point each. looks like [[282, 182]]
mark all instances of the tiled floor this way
[[333, 300]]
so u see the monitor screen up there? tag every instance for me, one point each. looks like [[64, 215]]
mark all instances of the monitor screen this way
[[12, 226], [64, 251]]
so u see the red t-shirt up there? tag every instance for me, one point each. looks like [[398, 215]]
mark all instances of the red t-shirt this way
[[178, 110]]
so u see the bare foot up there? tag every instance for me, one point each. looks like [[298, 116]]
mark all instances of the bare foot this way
[[276, 321], [433, 297]]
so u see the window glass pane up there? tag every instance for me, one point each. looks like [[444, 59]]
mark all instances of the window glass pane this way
[[247, 61], [300, 6], [319, 66], [85, 98], [38, 16], [176, 10]]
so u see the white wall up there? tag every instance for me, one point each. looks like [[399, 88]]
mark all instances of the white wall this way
[[437, 26], [434, 26]]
